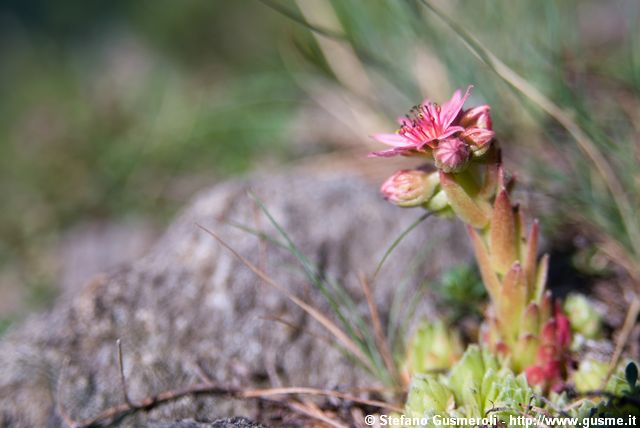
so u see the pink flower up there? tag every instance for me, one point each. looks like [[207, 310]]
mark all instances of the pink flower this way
[[429, 125]]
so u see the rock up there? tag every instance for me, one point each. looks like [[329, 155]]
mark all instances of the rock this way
[[189, 307], [234, 422], [90, 248]]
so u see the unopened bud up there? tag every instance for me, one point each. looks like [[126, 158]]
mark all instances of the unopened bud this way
[[477, 117], [409, 187], [478, 139], [452, 155]]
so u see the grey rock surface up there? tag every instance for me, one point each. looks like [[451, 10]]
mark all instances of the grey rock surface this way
[[232, 422], [188, 303], [235, 422], [90, 248]]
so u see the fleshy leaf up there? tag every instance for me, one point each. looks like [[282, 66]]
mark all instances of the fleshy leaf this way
[[530, 256], [524, 352], [489, 278], [464, 206], [541, 278], [512, 300], [502, 235], [545, 306], [490, 181], [531, 319]]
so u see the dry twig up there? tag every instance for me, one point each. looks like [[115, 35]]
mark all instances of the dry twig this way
[[209, 387], [123, 383], [623, 337]]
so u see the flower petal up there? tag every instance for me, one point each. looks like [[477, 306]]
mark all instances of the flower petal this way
[[450, 131], [451, 108], [385, 153], [394, 140]]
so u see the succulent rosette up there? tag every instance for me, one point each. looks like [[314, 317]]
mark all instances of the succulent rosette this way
[[476, 387], [585, 320], [433, 347]]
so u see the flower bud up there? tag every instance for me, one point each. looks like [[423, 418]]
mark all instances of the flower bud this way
[[477, 117], [409, 187], [478, 140], [452, 155]]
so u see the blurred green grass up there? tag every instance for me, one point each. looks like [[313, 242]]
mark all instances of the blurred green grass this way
[[118, 109], [114, 109]]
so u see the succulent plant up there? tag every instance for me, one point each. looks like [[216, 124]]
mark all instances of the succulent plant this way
[[617, 397], [477, 386], [461, 291], [433, 347], [583, 317], [523, 325], [592, 376], [526, 337]]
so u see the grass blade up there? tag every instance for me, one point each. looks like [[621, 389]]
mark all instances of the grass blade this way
[[586, 145], [397, 241], [341, 303], [302, 21]]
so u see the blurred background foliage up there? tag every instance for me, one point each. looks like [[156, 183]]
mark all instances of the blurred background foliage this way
[[115, 113]]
